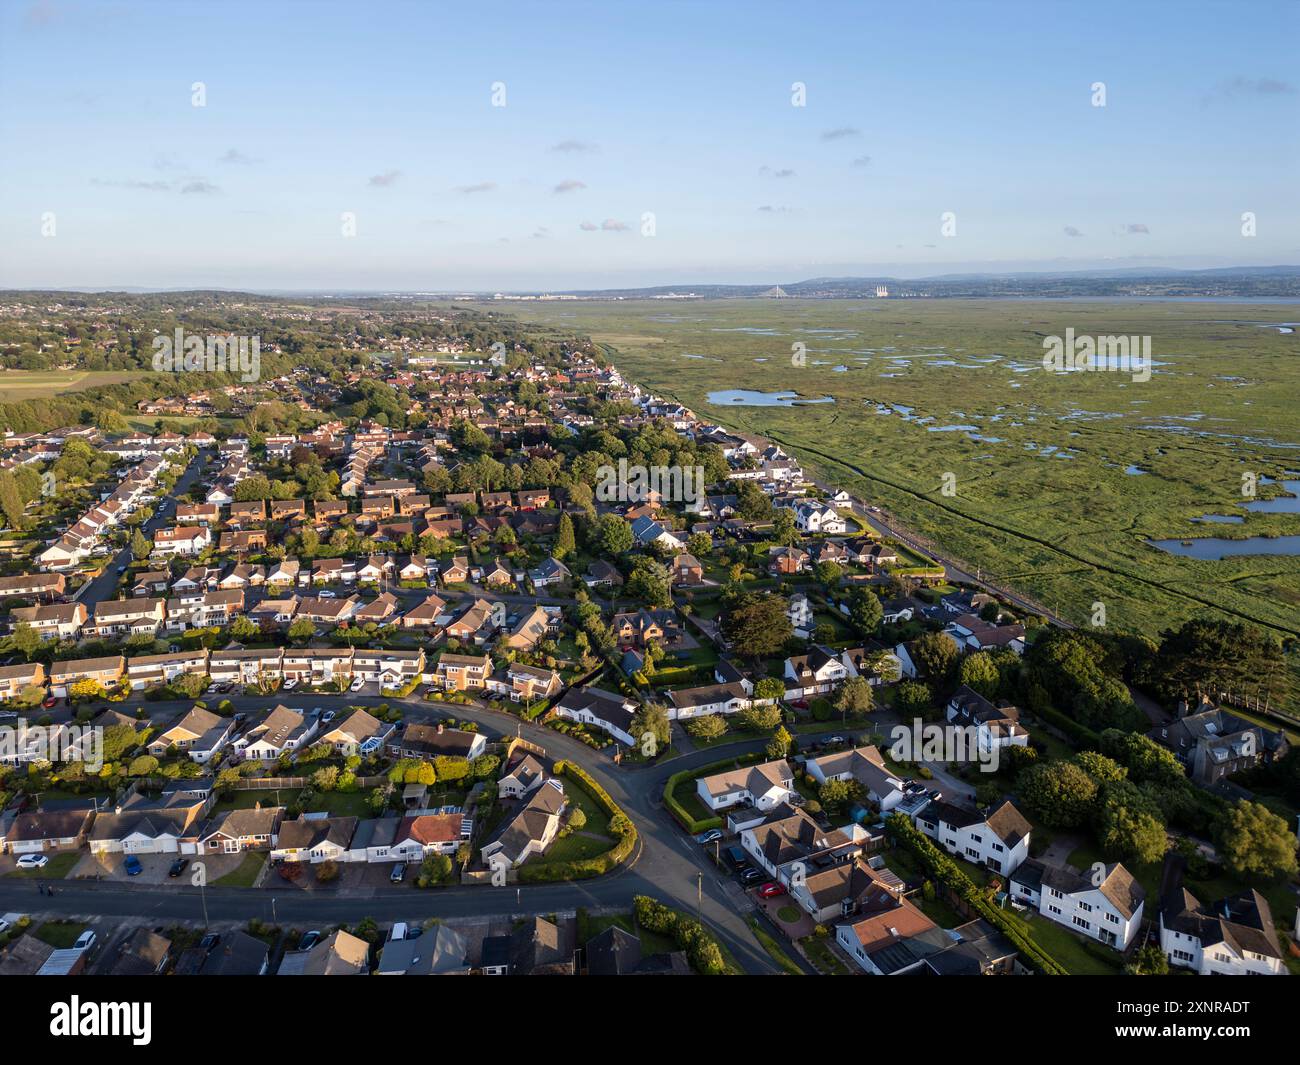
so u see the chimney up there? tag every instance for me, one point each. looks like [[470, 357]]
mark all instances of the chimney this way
[[1182, 708]]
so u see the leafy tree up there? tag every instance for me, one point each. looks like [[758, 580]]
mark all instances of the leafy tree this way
[[1102, 769], [757, 625], [652, 719], [780, 743], [708, 727], [1211, 656], [1145, 759], [140, 545], [912, 699], [301, 630], [769, 688], [1255, 843], [565, 543], [759, 718], [1060, 794], [979, 672], [1149, 960], [865, 611], [855, 696], [614, 535], [1129, 825], [935, 655]]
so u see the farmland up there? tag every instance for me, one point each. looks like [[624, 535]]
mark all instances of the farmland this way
[[19, 385], [1057, 480]]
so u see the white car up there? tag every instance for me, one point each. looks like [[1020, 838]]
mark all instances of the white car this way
[[327, 717], [356, 685], [33, 861], [325, 593], [84, 941], [290, 684]]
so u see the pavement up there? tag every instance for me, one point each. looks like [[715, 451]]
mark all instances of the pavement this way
[[668, 865]]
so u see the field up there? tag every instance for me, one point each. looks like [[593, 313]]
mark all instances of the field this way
[[1058, 479], [18, 385]]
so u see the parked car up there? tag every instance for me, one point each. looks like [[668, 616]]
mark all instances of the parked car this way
[[711, 836], [309, 940], [290, 684], [398, 932], [132, 865], [48, 704], [33, 861], [748, 876], [325, 593], [356, 685], [771, 890], [328, 716], [177, 867], [209, 941], [84, 941], [398, 874]]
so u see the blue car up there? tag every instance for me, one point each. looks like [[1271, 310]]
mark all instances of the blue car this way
[[132, 865]]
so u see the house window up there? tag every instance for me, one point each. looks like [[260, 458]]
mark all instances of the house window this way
[[1181, 955], [977, 839], [1054, 893], [1112, 918], [998, 848], [1086, 907], [1055, 909], [972, 852], [1082, 923]]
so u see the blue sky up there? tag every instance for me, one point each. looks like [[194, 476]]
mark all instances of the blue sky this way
[[614, 110]]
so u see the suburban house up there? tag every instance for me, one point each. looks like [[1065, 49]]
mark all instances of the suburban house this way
[[865, 765], [818, 672], [106, 672], [141, 825], [724, 698], [255, 828], [42, 831], [338, 954], [605, 710], [788, 844], [530, 831], [1231, 937], [421, 740], [281, 732], [424, 834], [993, 726], [997, 841], [523, 775], [1213, 743], [358, 733], [764, 786], [200, 734], [55, 621], [1109, 911], [436, 951], [463, 672], [314, 839]]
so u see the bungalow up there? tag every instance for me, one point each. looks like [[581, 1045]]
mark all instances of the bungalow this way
[[313, 838], [608, 711], [645, 531], [893, 938], [415, 568], [284, 573], [522, 776], [338, 954], [281, 732], [42, 831], [551, 571], [602, 574], [529, 631], [788, 842], [866, 766], [274, 611], [253, 829], [724, 698], [425, 615], [243, 541], [765, 785], [421, 835], [418, 740], [454, 570], [358, 733], [530, 831], [200, 733], [378, 610], [155, 582], [141, 825], [244, 575]]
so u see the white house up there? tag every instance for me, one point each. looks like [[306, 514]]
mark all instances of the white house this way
[[820, 671], [814, 516], [608, 711], [1232, 937], [282, 731], [764, 786], [998, 841], [867, 766], [1109, 910]]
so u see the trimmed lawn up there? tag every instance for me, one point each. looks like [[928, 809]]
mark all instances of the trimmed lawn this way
[[336, 803], [651, 942], [60, 934], [689, 799], [823, 958], [246, 873], [59, 866]]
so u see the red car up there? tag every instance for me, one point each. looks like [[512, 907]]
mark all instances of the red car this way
[[49, 703], [771, 890]]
